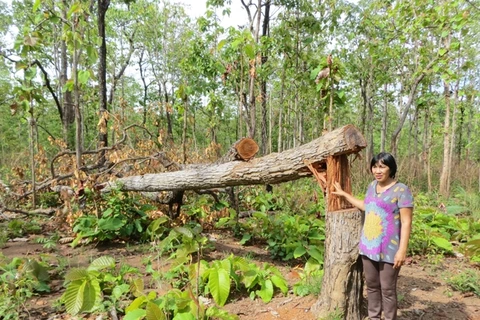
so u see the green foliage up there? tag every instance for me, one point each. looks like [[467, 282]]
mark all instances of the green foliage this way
[[466, 281], [288, 235], [435, 231], [122, 217], [18, 228], [310, 279], [175, 304], [20, 279], [97, 285]]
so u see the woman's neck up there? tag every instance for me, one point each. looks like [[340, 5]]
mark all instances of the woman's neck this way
[[386, 183]]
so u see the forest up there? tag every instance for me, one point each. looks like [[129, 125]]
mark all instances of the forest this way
[[97, 95]]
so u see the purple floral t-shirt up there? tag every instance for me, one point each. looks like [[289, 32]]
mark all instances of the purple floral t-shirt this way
[[381, 230]]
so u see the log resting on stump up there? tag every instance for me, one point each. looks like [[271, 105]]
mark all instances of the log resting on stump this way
[[270, 169], [342, 284]]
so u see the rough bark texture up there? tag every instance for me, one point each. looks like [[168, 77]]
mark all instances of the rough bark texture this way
[[342, 286], [273, 168]]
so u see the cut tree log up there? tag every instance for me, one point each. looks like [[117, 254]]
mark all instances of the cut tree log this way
[[273, 168]]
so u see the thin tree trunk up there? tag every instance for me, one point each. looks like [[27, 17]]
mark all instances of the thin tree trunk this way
[[184, 131], [444, 185], [102, 79], [383, 137], [263, 86], [68, 108], [31, 120]]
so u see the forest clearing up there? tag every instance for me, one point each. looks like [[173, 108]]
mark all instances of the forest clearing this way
[[155, 165]]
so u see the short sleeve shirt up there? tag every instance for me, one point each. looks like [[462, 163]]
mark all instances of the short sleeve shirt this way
[[381, 229]]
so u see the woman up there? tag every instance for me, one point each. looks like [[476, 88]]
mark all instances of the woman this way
[[388, 208]]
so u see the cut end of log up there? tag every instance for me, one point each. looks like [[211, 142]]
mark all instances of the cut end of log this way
[[354, 138], [246, 148]]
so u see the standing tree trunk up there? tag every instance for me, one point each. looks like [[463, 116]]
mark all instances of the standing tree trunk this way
[[342, 285], [102, 79], [384, 119], [68, 118], [444, 176], [263, 86]]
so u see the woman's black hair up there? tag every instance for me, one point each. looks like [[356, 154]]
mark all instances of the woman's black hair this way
[[388, 160]]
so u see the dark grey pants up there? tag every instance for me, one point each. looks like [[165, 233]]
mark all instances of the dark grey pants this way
[[381, 280]]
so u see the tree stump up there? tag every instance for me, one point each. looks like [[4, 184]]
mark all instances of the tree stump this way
[[342, 285]]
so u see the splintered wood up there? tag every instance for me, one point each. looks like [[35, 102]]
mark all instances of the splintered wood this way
[[338, 169], [320, 176]]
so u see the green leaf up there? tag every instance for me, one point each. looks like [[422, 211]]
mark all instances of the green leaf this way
[[76, 274], [154, 312], [455, 210], [135, 314], [137, 287], [184, 316], [280, 283], [110, 224], [136, 304], [219, 285], [442, 51], [299, 251], [104, 262], [250, 51], [266, 293], [443, 243], [89, 296], [246, 237], [36, 5], [74, 296], [184, 231], [83, 76], [316, 254], [250, 279]]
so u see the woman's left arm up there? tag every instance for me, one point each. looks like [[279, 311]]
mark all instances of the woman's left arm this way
[[406, 221]]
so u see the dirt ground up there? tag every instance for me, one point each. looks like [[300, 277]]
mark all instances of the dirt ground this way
[[422, 289]]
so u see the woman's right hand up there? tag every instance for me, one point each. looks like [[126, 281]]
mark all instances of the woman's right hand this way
[[338, 189]]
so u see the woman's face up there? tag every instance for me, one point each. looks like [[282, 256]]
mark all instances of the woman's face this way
[[381, 172]]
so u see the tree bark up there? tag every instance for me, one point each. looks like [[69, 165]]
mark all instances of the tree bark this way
[[342, 285], [102, 79], [273, 168]]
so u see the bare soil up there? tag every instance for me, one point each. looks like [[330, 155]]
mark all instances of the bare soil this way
[[422, 289]]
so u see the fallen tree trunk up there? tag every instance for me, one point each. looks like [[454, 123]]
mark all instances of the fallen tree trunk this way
[[273, 168]]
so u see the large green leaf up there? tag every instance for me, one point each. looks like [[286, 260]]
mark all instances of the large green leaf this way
[[73, 296], [154, 312], [316, 254], [110, 223], [101, 263], [184, 316], [250, 279], [299, 251], [266, 292], [89, 296], [184, 231], [76, 274], [219, 285], [136, 304], [280, 283], [135, 314], [443, 243], [137, 287]]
